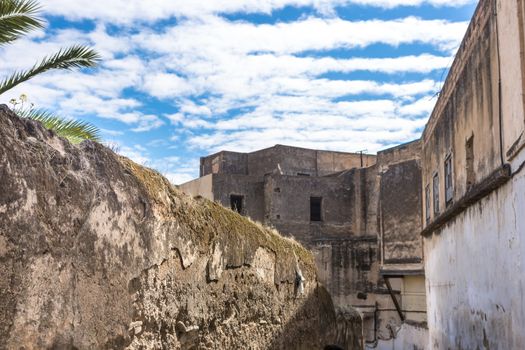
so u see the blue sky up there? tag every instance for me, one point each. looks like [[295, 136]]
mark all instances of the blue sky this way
[[181, 79]]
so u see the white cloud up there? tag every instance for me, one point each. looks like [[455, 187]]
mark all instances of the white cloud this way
[[215, 35], [133, 152], [167, 85], [180, 178], [148, 123], [129, 11]]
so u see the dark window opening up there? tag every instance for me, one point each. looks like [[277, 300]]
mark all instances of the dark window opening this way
[[469, 148], [236, 203], [449, 188], [315, 208], [303, 174], [427, 203], [435, 189]]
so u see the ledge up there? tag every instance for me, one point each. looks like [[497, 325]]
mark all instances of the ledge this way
[[476, 193], [346, 239], [400, 270]]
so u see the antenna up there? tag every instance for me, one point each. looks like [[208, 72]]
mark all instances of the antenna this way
[[361, 155]]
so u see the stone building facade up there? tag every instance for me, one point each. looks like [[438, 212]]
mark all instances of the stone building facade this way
[[359, 214], [474, 188]]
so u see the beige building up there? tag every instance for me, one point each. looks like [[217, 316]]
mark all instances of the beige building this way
[[474, 188]]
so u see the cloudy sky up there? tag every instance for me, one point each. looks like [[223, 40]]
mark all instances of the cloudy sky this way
[[184, 78]]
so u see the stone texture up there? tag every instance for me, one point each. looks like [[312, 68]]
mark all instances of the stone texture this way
[[98, 252]]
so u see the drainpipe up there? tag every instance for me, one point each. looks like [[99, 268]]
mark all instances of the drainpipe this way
[[500, 107]]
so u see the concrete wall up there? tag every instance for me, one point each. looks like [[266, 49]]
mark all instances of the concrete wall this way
[[250, 187], [287, 206], [408, 336], [413, 298], [474, 249], [282, 159], [401, 213], [285, 160], [475, 279], [331, 162], [224, 163], [203, 186]]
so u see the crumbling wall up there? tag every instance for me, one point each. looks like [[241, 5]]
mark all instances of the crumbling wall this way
[[98, 252]]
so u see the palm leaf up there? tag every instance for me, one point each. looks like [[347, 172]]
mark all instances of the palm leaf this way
[[18, 17], [73, 130], [76, 56]]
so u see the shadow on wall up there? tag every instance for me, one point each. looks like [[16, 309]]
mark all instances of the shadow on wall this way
[[344, 328]]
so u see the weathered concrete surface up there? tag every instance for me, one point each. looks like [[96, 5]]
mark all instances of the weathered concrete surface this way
[[474, 258], [98, 252], [407, 336], [475, 277]]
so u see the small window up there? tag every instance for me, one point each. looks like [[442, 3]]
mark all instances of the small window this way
[[449, 188], [315, 208], [469, 148], [427, 203], [303, 174], [236, 203], [435, 190]]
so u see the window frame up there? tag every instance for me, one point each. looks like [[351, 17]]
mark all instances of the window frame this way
[[428, 199], [448, 168], [435, 193]]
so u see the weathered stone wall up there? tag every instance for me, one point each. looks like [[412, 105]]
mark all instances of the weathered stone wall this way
[[284, 160], [287, 206], [400, 199], [224, 163], [98, 252], [250, 187]]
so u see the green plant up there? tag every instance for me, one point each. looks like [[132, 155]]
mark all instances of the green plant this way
[[75, 131], [19, 17]]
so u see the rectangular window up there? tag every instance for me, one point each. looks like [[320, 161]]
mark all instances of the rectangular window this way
[[449, 188], [236, 202], [427, 203], [469, 148], [315, 208], [303, 174], [435, 190]]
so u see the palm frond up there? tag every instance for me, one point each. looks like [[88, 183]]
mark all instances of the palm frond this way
[[17, 18], [73, 130], [76, 56]]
